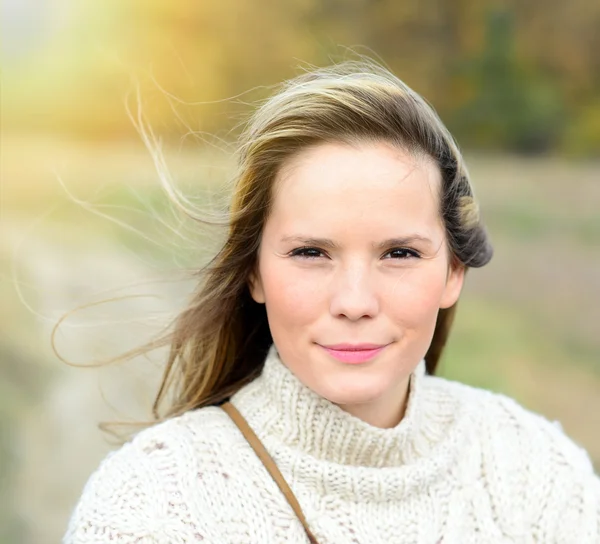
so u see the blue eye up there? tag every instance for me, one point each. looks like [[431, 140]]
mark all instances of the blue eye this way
[[307, 252], [403, 253]]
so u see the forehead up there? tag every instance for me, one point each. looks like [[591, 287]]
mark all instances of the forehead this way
[[367, 183]]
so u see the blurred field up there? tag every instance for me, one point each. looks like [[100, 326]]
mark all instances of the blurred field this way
[[527, 325]]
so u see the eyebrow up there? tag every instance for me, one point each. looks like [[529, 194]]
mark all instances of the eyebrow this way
[[327, 243]]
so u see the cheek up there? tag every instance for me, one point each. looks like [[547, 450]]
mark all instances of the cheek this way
[[415, 299], [293, 297]]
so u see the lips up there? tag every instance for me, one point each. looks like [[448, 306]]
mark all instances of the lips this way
[[354, 353], [353, 347]]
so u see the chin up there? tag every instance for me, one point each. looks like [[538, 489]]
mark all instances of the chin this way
[[353, 393]]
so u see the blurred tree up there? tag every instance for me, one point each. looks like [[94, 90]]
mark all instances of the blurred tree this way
[[515, 106], [492, 73]]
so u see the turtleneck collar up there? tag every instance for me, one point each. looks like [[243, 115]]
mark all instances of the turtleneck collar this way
[[286, 413]]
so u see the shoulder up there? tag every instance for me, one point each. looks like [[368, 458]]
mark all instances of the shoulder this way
[[534, 475], [137, 488], [178, 440], [506, 427]]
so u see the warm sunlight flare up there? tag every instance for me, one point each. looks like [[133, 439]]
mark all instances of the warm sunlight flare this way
[[29, 26]]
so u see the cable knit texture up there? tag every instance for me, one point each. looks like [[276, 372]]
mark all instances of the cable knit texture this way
[[464, 466]]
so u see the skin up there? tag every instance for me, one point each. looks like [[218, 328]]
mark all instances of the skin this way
[[356, 290]]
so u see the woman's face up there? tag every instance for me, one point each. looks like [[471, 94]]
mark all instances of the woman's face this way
[[353, 267]]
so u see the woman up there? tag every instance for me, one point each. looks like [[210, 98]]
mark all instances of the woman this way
[[319, 325]]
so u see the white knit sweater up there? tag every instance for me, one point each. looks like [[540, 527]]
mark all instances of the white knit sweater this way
[[464, 466]]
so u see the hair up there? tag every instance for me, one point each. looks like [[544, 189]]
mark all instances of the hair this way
[[220, 340]]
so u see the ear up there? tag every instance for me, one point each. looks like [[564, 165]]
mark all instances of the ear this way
[[454, 283], [256, 287]]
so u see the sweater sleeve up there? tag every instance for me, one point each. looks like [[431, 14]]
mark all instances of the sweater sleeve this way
[[572, 507], [140, 494], [116, 504], [561, 490], [578, 517]]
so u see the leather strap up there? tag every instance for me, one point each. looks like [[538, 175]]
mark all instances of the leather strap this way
[[270, 465]]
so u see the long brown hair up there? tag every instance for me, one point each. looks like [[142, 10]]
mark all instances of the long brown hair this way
[[219, 341]]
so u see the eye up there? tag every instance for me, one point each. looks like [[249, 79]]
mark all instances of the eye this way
[[402, 253], [307, 253]]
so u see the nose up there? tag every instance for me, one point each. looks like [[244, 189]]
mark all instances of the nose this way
[[353, 293]]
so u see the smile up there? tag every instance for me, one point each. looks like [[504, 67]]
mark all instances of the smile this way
[[354, 354]]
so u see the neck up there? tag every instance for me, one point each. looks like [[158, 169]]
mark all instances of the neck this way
[[321, 447], [386, 412], [284, 410]]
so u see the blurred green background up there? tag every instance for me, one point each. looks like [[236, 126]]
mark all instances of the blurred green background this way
[[84, 218]]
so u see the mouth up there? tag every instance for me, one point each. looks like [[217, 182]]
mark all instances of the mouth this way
[[354, 353]]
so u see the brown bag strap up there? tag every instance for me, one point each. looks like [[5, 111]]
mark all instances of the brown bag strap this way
[[270, 465]]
